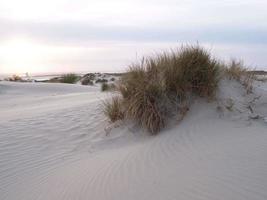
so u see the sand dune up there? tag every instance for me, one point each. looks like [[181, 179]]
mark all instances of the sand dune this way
[[53, 145]]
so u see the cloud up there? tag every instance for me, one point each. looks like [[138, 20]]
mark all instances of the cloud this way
[[82, 33], [83, 21]]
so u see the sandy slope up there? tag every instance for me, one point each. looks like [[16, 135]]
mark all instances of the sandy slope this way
[[53, 146]]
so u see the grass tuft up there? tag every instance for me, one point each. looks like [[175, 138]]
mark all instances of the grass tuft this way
[[160, 87], [69, 78], [190, 69], [104, 87], [108, 87], [153, 89], [237, 71], [113, 109]]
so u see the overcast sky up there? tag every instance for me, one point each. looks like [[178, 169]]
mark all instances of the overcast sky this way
[[107, 35]]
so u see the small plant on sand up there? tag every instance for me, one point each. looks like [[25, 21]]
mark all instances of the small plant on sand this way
[[108, 87], [153, 89], [248, 82], [69, 78], [104, 87], [113, 109], [237, 71]]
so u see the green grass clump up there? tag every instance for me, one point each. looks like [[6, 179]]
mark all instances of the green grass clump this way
[[69, 78], [155, 88], [113, 109]]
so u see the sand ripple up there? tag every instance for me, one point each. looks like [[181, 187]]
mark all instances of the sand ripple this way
[[65, 155]]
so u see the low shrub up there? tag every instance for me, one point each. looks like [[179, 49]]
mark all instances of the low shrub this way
[[113, 109], [69, 78]]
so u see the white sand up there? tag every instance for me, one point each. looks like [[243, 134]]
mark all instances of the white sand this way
[[53, 146]]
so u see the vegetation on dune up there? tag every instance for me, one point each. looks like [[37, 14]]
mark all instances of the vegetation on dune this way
[[113, 109], [191, 69], [14, 78], [237, 71], [104, 87], [69, 78], [108, 87], [157, 87]]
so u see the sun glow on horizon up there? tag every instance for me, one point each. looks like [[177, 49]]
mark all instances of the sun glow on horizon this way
[[20, 55]]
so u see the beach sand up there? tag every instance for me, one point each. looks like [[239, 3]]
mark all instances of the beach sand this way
[[56, 144]]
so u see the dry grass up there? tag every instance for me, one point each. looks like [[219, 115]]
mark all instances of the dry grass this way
[[247, 82], [191, 69], [113, 109], [237, 71], [153, 89], [144, 100], [159, 87]]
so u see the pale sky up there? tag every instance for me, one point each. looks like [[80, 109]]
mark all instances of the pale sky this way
[[107, 35]]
